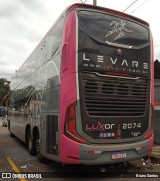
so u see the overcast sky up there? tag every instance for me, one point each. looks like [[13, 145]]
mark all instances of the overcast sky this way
[[23, 23]]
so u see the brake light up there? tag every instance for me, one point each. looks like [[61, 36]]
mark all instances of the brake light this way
[[70, 127], [149, 134]]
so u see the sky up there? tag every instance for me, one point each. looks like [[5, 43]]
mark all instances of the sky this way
[[23, 23]]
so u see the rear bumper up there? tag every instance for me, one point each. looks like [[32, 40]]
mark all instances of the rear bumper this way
[[76, 153]]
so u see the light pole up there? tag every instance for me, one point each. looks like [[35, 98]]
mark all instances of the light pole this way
[[95, 2]]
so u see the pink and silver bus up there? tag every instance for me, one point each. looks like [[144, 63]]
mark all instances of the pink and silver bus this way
[[85, 94]]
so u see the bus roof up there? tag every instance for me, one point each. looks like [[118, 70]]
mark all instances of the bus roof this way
[[108, 10]]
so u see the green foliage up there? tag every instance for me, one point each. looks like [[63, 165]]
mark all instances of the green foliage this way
[[4, 89]]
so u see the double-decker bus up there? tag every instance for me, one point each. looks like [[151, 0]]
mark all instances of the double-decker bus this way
[[85, 94]]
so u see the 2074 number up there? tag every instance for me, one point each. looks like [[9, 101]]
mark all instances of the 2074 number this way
[[131, 125]]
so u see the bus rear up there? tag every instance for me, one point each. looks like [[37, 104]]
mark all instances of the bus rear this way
[[106, 94]]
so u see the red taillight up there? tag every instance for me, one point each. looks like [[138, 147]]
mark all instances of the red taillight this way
[[70, 128], [149, 134]]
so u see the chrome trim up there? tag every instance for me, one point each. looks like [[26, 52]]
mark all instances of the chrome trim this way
[[131, 78], [118, 45]]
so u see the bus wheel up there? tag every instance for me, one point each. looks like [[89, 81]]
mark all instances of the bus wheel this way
[[41, 158], [11, 134], [31, 143]]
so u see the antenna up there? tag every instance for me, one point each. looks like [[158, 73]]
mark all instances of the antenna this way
[[95, 2]]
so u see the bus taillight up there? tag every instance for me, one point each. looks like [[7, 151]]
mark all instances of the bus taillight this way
[[70, 127], [149, 134]]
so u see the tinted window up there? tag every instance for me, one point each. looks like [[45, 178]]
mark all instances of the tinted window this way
[[56, 36], [106, 28]]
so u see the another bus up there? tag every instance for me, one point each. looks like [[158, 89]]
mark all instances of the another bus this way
[[85, 95]]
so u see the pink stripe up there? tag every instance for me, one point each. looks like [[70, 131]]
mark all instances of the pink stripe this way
[[68, 87]]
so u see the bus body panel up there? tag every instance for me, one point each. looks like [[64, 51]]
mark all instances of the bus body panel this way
[[102, 154], [68, 85], [94, 154], [17, 124]]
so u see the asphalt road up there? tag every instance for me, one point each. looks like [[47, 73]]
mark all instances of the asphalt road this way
[[14, 157]]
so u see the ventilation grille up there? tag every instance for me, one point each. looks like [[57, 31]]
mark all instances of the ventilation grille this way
[[114, 96]]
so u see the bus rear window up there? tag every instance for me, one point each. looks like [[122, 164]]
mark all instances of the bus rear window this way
[[107, 28]]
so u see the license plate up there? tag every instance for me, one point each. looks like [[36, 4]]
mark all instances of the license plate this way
[[118, 155]]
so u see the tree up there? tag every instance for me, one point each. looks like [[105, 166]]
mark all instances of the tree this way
[[4, 90]]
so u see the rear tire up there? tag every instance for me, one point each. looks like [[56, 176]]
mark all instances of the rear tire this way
[[41, 158], [11, 134], [31, 143]]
